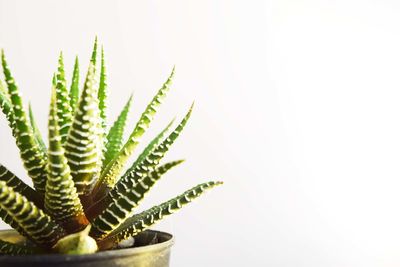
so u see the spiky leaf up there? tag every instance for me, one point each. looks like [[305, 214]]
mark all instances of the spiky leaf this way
[[145, 219], [11, 222], [114, 168], [116, 133], [102, 189], [3, 89], [93, 58], [39, 226], [8, 248], [19, 186], [103, 91], [150, 148], [74, 90], [151, 159], [64, 111], [138, 191], [33, 158], [6, 108], [36, 131], [83, 147], [61, 200]]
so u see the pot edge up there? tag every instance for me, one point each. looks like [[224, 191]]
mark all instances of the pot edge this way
[[99, 256]]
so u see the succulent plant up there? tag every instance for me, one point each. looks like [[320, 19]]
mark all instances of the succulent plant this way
[[82, 201]]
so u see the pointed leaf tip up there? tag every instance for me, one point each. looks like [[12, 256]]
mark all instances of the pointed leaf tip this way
[[94, 52], [112, 170]]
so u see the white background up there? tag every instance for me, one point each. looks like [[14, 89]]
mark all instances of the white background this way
[[297, 110]]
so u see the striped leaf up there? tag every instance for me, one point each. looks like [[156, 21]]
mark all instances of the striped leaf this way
[[83, 143], [116, 133], [11, 222], [64, 111], [61, 200], [93, 58], [19, 186], [138, 189], [102, 189], [32, 156], [149, 162], [114, 168], [150, 147], [3, 89], [122, 208], [142, 221], [6, 108], [39, 226], [102, 97], [36, 131], [8, 248], [103, 92], [74, 90]]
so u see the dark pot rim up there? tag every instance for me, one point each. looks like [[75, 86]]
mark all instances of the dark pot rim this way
[[99, 256]]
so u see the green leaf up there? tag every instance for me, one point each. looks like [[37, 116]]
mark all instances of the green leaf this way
[[36, 131], [102, 96], [6, 107], [114, 168], [64, 111], [74, 90], [150, 147], [79, 243], [116, 133], [39, 226], [135, 194], [146, 163], [3, 89], [93, 59], [103, 92], [8, 248], [83, 146], [61, 200], [32, 156], [149, 159], [11, 222], [19, 186], [124, 191], [102, 189], [142, 221]]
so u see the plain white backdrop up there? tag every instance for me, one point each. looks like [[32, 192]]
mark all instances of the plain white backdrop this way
[[297, 110]]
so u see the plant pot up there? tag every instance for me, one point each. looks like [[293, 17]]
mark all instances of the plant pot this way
[[141, 255]]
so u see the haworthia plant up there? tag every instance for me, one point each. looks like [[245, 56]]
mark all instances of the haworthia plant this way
[[82, 148], [64, 111], [8, 248], [116, 133], [81, 202], [74, 90], [103, 91], [113, 169], [102, 96], [61, 200], [40, 227], [147, 218], [6, 107], [19, 186], [36, 130], [31, 154], [122, 207]]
